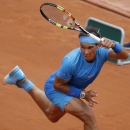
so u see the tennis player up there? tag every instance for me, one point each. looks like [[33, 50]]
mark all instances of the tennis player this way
[[65, 88]]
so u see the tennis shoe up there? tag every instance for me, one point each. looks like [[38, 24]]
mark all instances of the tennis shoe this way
[[13, 76]]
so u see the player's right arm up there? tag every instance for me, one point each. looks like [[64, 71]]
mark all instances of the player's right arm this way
[[61, 85]]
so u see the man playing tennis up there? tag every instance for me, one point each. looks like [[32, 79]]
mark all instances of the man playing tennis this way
[[65, 88]]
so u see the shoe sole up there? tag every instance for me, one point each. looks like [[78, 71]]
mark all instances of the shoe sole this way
[[12, 72]]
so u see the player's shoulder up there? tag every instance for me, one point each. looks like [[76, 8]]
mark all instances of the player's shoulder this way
[[73, 55], [75, 51]]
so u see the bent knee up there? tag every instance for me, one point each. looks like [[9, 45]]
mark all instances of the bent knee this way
[[88, 115], [53, 120], [88, 118], [85, 115]]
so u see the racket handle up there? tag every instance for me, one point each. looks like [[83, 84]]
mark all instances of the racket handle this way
[[96, 38]]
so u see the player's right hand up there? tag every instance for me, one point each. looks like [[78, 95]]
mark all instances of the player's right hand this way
[[89, 97]]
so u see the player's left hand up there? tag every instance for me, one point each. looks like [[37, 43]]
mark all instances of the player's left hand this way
[[107, 43]]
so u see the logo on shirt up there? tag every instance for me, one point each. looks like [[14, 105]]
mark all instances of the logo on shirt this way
[[63, 74], [13, 78], [90, 76]]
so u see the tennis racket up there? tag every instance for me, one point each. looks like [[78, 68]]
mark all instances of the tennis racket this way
[[60, 17]]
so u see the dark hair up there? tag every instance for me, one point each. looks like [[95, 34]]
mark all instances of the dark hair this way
[[92, 30]]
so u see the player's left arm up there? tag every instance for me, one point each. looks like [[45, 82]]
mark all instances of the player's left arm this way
[[122, 55], [117, 52]]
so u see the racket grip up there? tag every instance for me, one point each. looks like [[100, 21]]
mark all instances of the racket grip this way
[[96, 38]]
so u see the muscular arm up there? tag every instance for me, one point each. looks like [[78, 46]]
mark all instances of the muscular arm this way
[[61, 85], [122, 55]]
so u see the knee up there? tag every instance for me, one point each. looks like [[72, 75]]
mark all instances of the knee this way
[[89, 120], [52, 119], [87, 116]]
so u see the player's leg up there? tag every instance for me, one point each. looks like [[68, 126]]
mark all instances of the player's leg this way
[[53, 113], [17, 77], [82, 111], [72, 105]]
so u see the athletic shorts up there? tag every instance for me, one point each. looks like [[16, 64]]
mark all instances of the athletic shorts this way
[[57, 98]]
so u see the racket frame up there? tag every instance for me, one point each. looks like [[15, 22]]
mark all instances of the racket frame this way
[[79, 29]]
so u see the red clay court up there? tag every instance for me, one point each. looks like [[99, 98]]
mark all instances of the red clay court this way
[[28, 40]]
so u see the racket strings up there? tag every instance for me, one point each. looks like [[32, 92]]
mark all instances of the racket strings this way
[[58, 16]]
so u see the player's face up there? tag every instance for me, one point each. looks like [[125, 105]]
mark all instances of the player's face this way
[[88, 50]]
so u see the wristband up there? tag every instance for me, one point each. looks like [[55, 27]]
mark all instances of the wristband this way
[[75, 92], [117, 48]]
